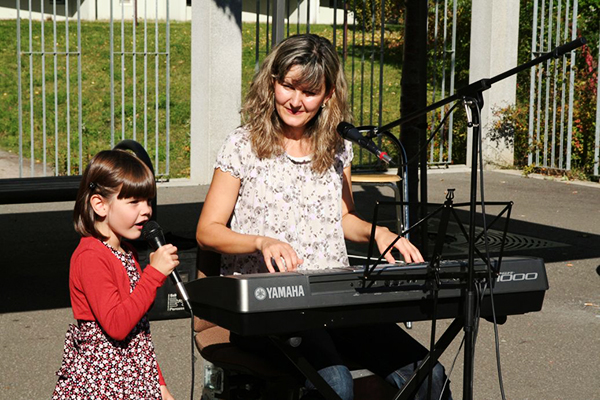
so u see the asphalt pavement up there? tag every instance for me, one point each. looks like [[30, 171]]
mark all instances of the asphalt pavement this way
[[550, 355]]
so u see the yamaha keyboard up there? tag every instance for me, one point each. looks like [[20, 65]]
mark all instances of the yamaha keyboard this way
[[265, 303]]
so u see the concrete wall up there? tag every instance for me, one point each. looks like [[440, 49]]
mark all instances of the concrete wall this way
[[494, 45], [216, 80]]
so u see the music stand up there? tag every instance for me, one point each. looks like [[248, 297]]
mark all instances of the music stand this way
[[472, 97]]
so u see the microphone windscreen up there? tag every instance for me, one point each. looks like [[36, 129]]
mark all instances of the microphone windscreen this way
[[153, 234]]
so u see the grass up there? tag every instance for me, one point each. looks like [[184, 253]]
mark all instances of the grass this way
[[61, 123], [361, 67]]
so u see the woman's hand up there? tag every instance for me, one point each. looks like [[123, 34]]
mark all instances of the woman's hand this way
[[278, 255], [165, 259], [166, 395], [384, 237]]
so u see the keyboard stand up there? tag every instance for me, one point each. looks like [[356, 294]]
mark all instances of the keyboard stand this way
[[305, 368], [424, 369]]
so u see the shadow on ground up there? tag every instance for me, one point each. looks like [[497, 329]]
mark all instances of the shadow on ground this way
[[38, 246]]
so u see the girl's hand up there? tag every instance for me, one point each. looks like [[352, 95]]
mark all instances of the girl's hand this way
[[165, 259], [384, 237], [166, 395], [278, 255]]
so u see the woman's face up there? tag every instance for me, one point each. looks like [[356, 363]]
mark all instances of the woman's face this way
[[295, 104]]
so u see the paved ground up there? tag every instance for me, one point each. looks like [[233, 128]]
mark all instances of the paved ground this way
[[550, 355]]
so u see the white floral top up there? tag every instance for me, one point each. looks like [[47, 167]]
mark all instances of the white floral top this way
[[282, 198]]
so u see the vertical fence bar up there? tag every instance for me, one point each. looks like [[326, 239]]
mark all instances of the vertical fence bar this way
[[79, 101], [571, 87], [20, 88], [434, 79], [267, 41], [55, 40], [167, 91], [352, 57], [112, 77], [563, 91], [443, 86], [31, 97], [43, 50], [134, 67], [307, 16], [335, 23], [156, 89], [68, 88], [122, 70], [547, 79], [257, 38], [146, 74], [287, 14], [539, 87], [381, 60], [372, 60], [597, 140], [532, 76], [554, 93], [452, 72]]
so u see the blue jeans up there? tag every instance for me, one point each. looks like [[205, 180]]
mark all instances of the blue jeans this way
[[340, 380], [399, 377]]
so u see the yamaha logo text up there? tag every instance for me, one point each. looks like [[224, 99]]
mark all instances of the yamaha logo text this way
[[279, 292]]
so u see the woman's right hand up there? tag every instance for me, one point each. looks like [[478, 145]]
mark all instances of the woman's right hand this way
[[165, 259], [278, 255]]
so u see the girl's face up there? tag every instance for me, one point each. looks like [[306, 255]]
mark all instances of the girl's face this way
[[297, 105], [123, 218]]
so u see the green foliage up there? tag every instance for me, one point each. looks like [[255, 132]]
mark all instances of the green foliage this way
[[586, 81], [368, 12]]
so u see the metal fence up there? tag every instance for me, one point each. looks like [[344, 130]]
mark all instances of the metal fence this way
[[552, 88], [369, 40], [63, 122]]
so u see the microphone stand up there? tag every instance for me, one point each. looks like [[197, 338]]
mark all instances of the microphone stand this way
[[472, 97]]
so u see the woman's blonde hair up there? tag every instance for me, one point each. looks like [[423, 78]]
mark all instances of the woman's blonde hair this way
[[318, 62], [110, 173]]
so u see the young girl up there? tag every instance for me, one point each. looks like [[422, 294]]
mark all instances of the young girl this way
[[109, 353]]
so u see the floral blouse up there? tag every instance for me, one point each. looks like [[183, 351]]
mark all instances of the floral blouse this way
[[283, 198]]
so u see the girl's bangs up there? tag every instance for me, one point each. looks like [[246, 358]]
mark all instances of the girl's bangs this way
[[137, 182]]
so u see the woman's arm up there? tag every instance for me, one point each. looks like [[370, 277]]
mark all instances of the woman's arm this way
[[358, 230], [212, 232]]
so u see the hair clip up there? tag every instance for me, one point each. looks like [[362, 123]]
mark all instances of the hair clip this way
[[92, 186]]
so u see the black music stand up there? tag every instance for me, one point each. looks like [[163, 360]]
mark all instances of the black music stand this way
[[472, 97]]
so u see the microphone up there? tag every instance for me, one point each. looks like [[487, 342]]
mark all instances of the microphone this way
[[349, 132], [153, 234]]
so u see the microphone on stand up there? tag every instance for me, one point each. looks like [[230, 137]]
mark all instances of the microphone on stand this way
[[349, 132], [153, 234]]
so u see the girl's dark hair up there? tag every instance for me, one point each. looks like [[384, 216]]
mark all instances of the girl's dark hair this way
[[110, 173]]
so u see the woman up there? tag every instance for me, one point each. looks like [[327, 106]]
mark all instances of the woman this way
[[281, 197]]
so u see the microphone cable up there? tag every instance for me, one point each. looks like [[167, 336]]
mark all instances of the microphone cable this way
[[489, 270], [193, 357]]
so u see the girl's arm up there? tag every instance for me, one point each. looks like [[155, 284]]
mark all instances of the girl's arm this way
[[106, 293], [212, 232], [358, 230]]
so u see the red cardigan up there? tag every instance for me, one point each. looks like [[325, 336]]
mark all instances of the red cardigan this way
[[99, 288]]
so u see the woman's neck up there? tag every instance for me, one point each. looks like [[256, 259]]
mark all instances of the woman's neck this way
[[296, 144]]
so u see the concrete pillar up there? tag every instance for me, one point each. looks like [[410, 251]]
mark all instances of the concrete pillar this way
[[494, 46], [216, 81]]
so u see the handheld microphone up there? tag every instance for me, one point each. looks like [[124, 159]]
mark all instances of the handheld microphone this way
[[153, 234], [349, 132]]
